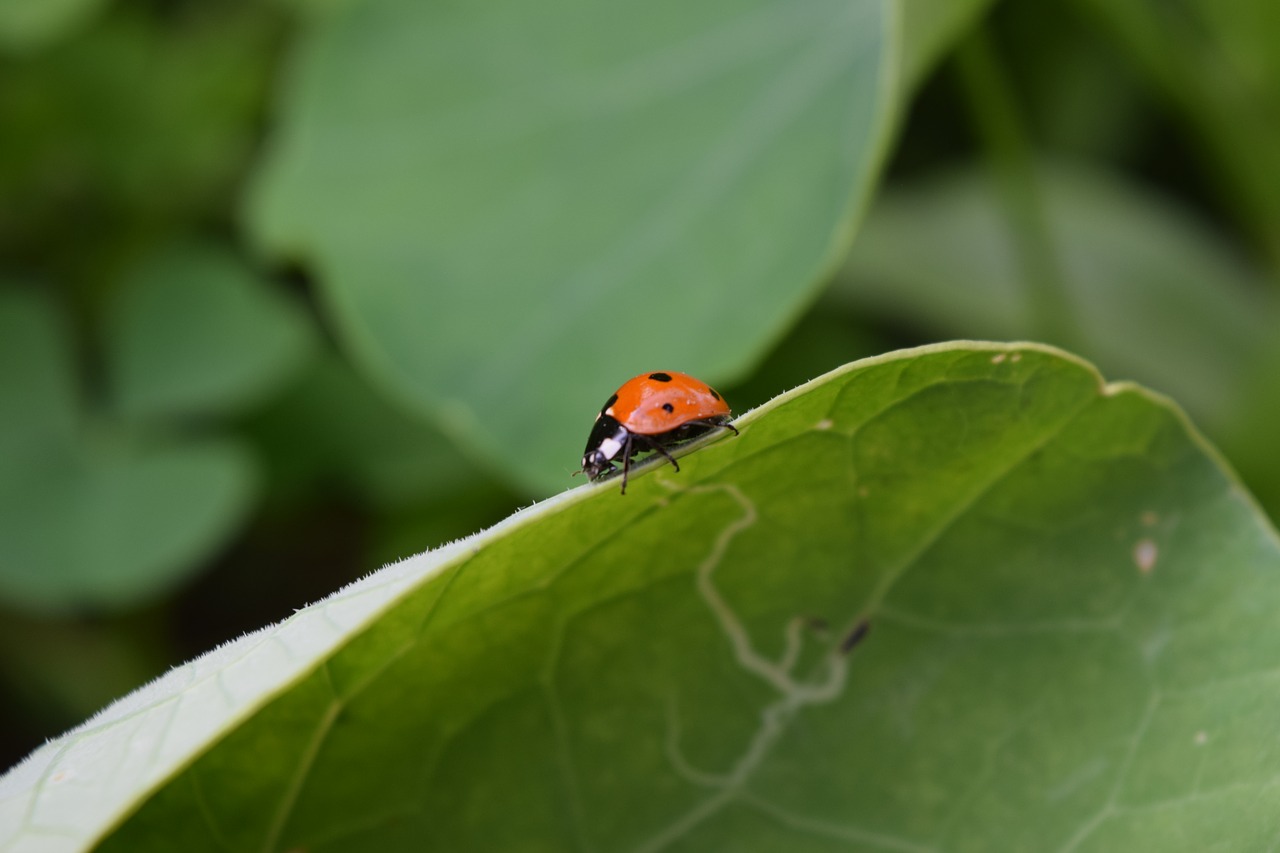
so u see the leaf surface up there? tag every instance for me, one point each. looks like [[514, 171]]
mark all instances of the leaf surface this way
[[1216, 65], [29, 25], [511, 207], [194, 331], [91, 514], [1072, 646], [1155, 293]]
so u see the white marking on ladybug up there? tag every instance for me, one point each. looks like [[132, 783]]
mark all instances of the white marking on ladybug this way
[[610, 447]]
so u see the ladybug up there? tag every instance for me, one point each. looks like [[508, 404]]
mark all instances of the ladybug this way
[[653, 411]]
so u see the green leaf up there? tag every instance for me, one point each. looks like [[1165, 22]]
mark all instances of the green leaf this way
[[1250, 439], [1216, 64], [112, 526], [39, 395], [27, 25], [367, 446], [130, 130], [1156, 294], [193, 330], [90, 515], [1072, 645], [512, 208], [930, 27]]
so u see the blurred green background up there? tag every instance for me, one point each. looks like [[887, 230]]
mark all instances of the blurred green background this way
[[290, 290]]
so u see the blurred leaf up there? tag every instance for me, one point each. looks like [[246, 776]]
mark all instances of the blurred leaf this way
[[331, 429], [193, 330], [1250, 439], [28, 25], [1073, 644], [1218, 65], [408, 530], [1156, 295], [930, 28], [63, 670], [514, 207], [88, 517], [136, 125], [1078, 97], [111, 527], [827, 336], [38, 395]]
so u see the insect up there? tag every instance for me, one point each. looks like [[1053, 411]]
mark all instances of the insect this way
[[653, 411]]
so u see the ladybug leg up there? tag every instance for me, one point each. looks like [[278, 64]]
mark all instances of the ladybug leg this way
[[656, 447], [626, 462], [662, 451], [714, 424]]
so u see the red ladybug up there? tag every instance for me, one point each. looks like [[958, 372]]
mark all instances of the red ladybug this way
[[653, 411]]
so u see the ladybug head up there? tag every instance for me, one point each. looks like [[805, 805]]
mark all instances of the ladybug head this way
[[608, 439], [595, 465]]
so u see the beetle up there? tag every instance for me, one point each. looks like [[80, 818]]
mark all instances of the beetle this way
[[653, 411]]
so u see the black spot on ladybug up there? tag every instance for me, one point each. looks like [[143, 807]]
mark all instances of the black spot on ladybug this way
[[713, 392], [660, 377], [668, 408], [609, 402]]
